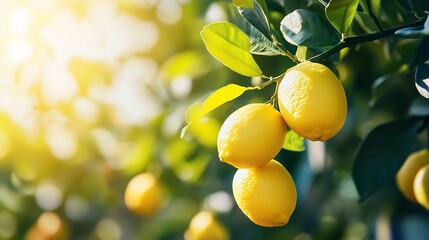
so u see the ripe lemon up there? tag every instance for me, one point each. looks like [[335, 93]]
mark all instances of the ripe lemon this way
[[421, 186], [251, 136], [144, 195], [266, 194], [312, 101], [204, 226], [406, 174]]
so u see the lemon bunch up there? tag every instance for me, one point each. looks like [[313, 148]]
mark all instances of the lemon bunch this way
[[249, 139], [313, 104], [412, 178]]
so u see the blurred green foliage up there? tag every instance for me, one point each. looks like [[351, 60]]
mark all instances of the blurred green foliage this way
[[93, 92]]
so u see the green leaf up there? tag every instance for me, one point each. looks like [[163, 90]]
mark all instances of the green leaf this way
[[366, 22], [306, 28], [256, 17], [141, 153], [259, 44], [190, 63], [419, 107], [293, 142], [340, 13], [187, 160], [422, 79], [243, 3], [382, 153], [418, 6], [422, 70], [228, 44], [414, 32], [216, 99]]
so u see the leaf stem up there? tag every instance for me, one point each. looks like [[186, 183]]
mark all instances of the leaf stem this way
[[353, 40], [285, 51]]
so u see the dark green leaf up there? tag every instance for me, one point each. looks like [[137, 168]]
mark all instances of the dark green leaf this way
[[306, 28], [259, 44], [422, 79], [419, 107], [256, 17], [366, 22], [341, 13], [422, 70], [414, 32], [382, 153], [414, 5]]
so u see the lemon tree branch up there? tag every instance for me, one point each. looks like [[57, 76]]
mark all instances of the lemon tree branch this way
[[353, 40]]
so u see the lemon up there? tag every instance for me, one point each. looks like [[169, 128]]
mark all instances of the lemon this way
[[266, 194], [144, 195], [251, 136], [421, 186], [204, 226], [49, 226], [312, 101], [406, 174]]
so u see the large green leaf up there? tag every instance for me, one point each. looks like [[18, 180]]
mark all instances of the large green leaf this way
[[228, 44], [382, 153], [341, 13], [259, 44], [216, 99], [256, 17], [306, 28]]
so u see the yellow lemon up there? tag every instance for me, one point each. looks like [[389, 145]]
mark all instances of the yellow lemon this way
[[421, 186], [406, 174], [49, 226], [204, 226], [251, 136], [266, 194], [144, 195], [312, 101]]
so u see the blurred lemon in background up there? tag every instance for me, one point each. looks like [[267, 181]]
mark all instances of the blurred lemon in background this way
[[205, 226], [144, 194], [407, 173]]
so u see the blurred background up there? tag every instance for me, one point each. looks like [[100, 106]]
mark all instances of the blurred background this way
[[94, 92]]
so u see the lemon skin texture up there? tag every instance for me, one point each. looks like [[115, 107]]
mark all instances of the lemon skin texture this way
[[312, 101], [251, 136], [266, 194]]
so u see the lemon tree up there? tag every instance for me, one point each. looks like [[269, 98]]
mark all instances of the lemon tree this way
[[310, 87]]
